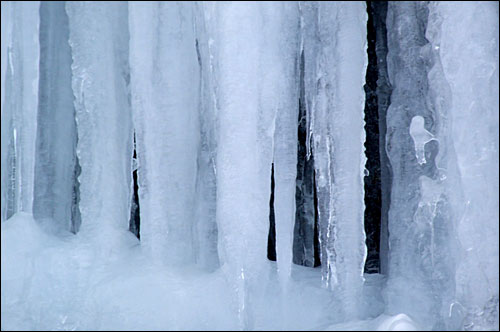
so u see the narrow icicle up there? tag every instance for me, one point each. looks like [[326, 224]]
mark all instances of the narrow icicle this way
[[281, 88], [334, 81], [205, 237], [19, 106]]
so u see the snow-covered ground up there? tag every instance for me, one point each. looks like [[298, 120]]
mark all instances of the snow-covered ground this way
[[58, 281]]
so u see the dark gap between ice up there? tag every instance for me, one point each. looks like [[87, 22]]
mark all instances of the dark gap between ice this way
[[372, 181], [135, 216]]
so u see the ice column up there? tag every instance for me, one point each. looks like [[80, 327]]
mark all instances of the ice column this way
[[165, 98], [421, 260], [99, 43], [334, 92], [55, 161], [468, 48], [20, 52], [246, 112], [408, 77]]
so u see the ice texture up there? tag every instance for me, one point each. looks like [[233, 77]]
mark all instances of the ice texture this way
[[19, 103], [334, 93], [245, 123], [466, 39], [440, 95], [412, 270], [420, 137], [165, 99], [55, 159], [218, 96], [98, 36], [280, 61]]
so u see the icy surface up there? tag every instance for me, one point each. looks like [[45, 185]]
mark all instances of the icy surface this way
[[20, 55], [334, 92], [100, 76], [55, 158], [216, 95], [472, 90], [420, 137], [165, 99]]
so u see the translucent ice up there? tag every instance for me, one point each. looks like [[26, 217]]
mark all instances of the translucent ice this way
[[420, 137], [98, 36]]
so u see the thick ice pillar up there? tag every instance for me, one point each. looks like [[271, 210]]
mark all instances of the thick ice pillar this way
[[99, 45], [467, 44], [334, 92], [421, 240], [165, 98], [246, 111], [55, 161], [19, 105]]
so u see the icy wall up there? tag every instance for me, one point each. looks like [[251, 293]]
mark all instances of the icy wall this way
[[195, 124]]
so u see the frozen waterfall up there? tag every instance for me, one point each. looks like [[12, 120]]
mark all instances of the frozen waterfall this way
[[249, 165]]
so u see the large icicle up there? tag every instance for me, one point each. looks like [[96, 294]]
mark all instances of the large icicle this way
[[246, 115], [55, 161], [99, 43], [165, 95], [19, 108], [334, 92], [468, 46]]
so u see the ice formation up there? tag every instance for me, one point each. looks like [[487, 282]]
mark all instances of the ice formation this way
[[219, 133]]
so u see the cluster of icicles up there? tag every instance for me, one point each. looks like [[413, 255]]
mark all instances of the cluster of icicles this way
[[208, 96]]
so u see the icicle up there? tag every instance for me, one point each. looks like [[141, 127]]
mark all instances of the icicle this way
[[280, 65], [55, 160], [165, 95], [246, 113], [20, 85], [205, 237], [99, 45], [334, 91]]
